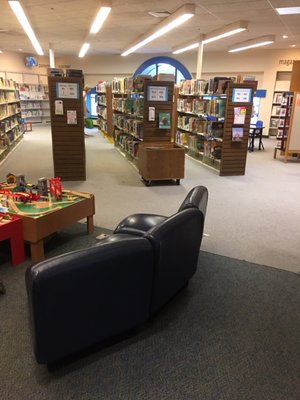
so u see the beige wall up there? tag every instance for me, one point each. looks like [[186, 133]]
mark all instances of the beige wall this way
[[264, 64]]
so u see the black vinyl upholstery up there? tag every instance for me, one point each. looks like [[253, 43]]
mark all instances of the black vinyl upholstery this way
[[139, 224], [83, 297]]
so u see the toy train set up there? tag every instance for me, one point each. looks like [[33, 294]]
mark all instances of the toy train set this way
[[19, 197]]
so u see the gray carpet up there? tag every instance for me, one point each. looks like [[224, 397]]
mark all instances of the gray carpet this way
[[233, 333]]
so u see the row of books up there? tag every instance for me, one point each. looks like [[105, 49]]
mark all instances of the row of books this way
[[102, 111], [198, 144], [214, 107], [8, 124], [127, 143], [201, 126], [8, 84], [7, 138], [102, 100], [129, 84], [8, 110], [9, 97], [31, 106], [102, 123], [32, 113], [129, 125], [217, 85], [128, 105]]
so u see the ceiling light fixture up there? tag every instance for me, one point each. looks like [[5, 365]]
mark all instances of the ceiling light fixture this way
[[20, 14], [186, 48], [284, 36], [83, 50], [250, 44], [228, 30], [1, 51], [288, 10], [183, 14], [100, 18]]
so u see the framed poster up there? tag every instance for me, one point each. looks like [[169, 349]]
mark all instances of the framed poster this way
[[239, 115], [241, 95], [66, 90], [157, 93], [71, 117], [164, 120], [237, 134]]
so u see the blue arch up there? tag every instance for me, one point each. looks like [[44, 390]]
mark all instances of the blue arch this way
[[166, 60]]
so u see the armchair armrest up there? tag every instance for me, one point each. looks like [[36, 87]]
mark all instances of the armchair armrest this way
[[83, 297]]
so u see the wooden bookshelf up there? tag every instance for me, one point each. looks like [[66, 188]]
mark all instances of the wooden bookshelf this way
[[104, 109], [34, 102], [205, 123], [288, 136], [11, 127], [67, 139]]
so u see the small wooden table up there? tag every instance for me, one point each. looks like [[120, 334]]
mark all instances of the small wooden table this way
[[37, 228]]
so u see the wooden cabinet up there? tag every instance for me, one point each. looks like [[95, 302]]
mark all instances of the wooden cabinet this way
[[161, 162], [11, 128]]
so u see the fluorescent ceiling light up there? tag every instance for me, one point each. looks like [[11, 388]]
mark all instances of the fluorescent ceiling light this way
[[100, 18], [186, 48], [19, 12], [228, 30], [250, 44], [83, 50], [288, 10], [183, 14]]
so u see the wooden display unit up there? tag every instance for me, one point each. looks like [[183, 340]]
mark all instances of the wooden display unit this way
[[234, 153], [206, 126], [67, 133], [158, 157]]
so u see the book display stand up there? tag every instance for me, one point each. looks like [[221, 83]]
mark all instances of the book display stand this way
[[67, 127], [214, 127], [159, 158]]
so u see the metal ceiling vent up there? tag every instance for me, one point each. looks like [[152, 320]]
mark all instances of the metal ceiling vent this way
[[159, 14]]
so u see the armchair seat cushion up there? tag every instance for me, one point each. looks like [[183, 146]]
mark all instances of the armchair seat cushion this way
[[139, 224]]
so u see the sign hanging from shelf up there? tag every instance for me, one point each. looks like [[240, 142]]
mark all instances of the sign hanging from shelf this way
[[157, 93], [241, 95], [66, 90]]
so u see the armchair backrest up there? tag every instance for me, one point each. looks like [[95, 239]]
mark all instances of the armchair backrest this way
[[176, 243], [196, 198]]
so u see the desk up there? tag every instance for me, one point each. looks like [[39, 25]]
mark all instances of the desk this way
[[255, 132], [12, 230], [37, 227]]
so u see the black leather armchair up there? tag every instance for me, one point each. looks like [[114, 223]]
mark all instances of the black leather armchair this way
[[84, 297], [139, 224]]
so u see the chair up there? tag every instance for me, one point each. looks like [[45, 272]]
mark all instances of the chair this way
[[256, 132], [139, 224], [84, 297]]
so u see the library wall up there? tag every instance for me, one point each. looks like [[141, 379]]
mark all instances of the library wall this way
[[265, 64]]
